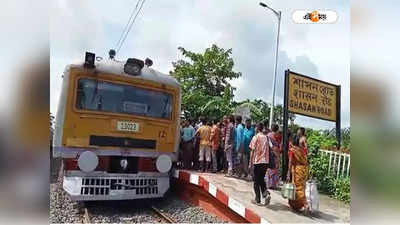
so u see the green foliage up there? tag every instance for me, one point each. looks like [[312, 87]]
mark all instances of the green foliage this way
[[319, 166], [258, 108], [341, 190], [218, 106], [204, 80], [338, 188], [260, 111], [344, 134], [317, 139]]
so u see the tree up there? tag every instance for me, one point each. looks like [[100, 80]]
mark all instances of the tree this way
[[204, 80], [260, 111]]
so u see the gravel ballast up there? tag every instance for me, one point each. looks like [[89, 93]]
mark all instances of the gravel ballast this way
[[183, 212], [64, 210], [133, 211]]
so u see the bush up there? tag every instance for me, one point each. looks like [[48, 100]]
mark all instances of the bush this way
[[338, 188], [342, 189], [316, 139], [319, 166]]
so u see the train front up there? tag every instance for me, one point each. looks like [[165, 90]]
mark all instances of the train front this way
[[117, 129]]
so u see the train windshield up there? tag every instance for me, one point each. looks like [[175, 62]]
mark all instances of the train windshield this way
[[104, 96]]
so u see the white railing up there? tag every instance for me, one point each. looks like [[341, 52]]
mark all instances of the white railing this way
[[339, 163]]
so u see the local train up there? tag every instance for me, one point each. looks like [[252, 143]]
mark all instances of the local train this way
[[117, 129]]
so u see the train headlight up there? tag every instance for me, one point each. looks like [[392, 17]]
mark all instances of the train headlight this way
[[88, 161], [163, 163], [133, 66]]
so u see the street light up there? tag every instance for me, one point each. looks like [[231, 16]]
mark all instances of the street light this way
[[278, 14]]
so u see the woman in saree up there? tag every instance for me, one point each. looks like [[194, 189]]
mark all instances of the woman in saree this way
[[298, 168], [301, 133], [273, 173]]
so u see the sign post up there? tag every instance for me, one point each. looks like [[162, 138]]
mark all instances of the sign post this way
[[338, 119], [285, 149], [308, 96]]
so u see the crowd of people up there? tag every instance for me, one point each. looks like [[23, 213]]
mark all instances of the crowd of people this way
[[245, 150]]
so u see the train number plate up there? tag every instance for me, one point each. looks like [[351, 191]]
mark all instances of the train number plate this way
[[127, 126]]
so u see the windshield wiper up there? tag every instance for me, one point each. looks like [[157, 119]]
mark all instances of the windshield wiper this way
[[95, 91], [165, 107], [100, 103]]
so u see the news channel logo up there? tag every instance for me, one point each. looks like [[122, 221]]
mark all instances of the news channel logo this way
[[314, 16]]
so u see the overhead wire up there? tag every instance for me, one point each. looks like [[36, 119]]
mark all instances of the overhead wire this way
[[127, 24], [130, 26]]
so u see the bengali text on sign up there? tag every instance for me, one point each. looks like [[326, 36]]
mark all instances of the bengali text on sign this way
[[311, 97]]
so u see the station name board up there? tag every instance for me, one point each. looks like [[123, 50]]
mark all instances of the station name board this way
[[311, 97]]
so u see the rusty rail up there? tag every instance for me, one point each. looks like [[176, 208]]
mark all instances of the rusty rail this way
[[162, 215]]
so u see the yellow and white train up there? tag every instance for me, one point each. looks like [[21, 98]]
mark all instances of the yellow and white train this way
[[117, 129]]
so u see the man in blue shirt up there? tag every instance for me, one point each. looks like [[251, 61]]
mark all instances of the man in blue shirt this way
[[248, 134], [187, 144], [239, 146]]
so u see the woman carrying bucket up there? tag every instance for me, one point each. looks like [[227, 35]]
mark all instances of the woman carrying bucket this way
[[298, 168]]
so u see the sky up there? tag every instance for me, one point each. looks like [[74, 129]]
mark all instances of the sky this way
[[321, 51]]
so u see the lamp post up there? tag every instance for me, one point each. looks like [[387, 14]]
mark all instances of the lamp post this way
[[278, 14]]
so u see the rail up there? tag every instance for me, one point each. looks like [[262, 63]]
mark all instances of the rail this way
[[162, 215], [86, 216]]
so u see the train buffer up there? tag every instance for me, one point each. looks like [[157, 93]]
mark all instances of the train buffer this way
[[236, 195]]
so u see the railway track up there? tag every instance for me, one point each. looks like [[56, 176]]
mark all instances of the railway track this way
[[170, 209], [86, 215], [162, 215]]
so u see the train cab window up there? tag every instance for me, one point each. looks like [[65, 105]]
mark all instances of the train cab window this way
[[96, 95]]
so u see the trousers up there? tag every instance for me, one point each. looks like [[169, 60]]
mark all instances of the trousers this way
[[259, 182], [187, 154], [220, 159], [214, 158], [205, 152], [195, 155], [245, 162], [228, 154]]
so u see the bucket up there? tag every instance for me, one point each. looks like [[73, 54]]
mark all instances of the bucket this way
[[312, 195], [289, 191]]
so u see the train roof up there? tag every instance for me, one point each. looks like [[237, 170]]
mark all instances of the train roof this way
[[117, 67]]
